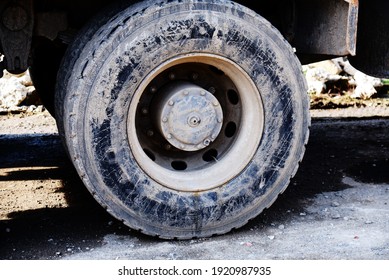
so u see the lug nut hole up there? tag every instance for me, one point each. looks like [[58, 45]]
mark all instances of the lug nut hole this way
[[179, 165], [230, 130], [210, 155], [233, 97]]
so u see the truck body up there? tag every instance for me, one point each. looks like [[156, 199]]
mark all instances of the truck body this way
[[317, 29]]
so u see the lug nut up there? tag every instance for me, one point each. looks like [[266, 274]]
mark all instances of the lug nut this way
[[207, 142], [145, 111]]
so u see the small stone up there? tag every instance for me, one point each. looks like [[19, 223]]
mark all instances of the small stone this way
[[335, 204], [31, 109], [69, 249], [303, 214], [271, 237], [39, 109], [281, 227], [368, 222], [58, 253], [7, 230], [336, 216]]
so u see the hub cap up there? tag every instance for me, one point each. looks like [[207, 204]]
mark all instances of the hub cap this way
[[189, 117]]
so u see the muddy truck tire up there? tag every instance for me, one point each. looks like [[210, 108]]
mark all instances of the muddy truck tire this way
[[183, 118]]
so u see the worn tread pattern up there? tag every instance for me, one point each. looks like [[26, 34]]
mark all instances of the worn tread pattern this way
[[107, 62]]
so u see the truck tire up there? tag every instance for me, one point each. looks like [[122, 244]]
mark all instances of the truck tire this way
[[184, 118]]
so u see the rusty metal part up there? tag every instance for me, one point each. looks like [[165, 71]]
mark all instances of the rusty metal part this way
[[326, 27], [16, 28]]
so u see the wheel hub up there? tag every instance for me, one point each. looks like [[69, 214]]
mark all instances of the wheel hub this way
[[189, 117]]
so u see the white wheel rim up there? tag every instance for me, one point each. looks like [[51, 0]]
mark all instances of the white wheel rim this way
[[235, 152]]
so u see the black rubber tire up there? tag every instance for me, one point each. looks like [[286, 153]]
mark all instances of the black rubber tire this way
[[104, 69]]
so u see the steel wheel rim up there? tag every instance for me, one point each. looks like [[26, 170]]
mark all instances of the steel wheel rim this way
[[227, 155]]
